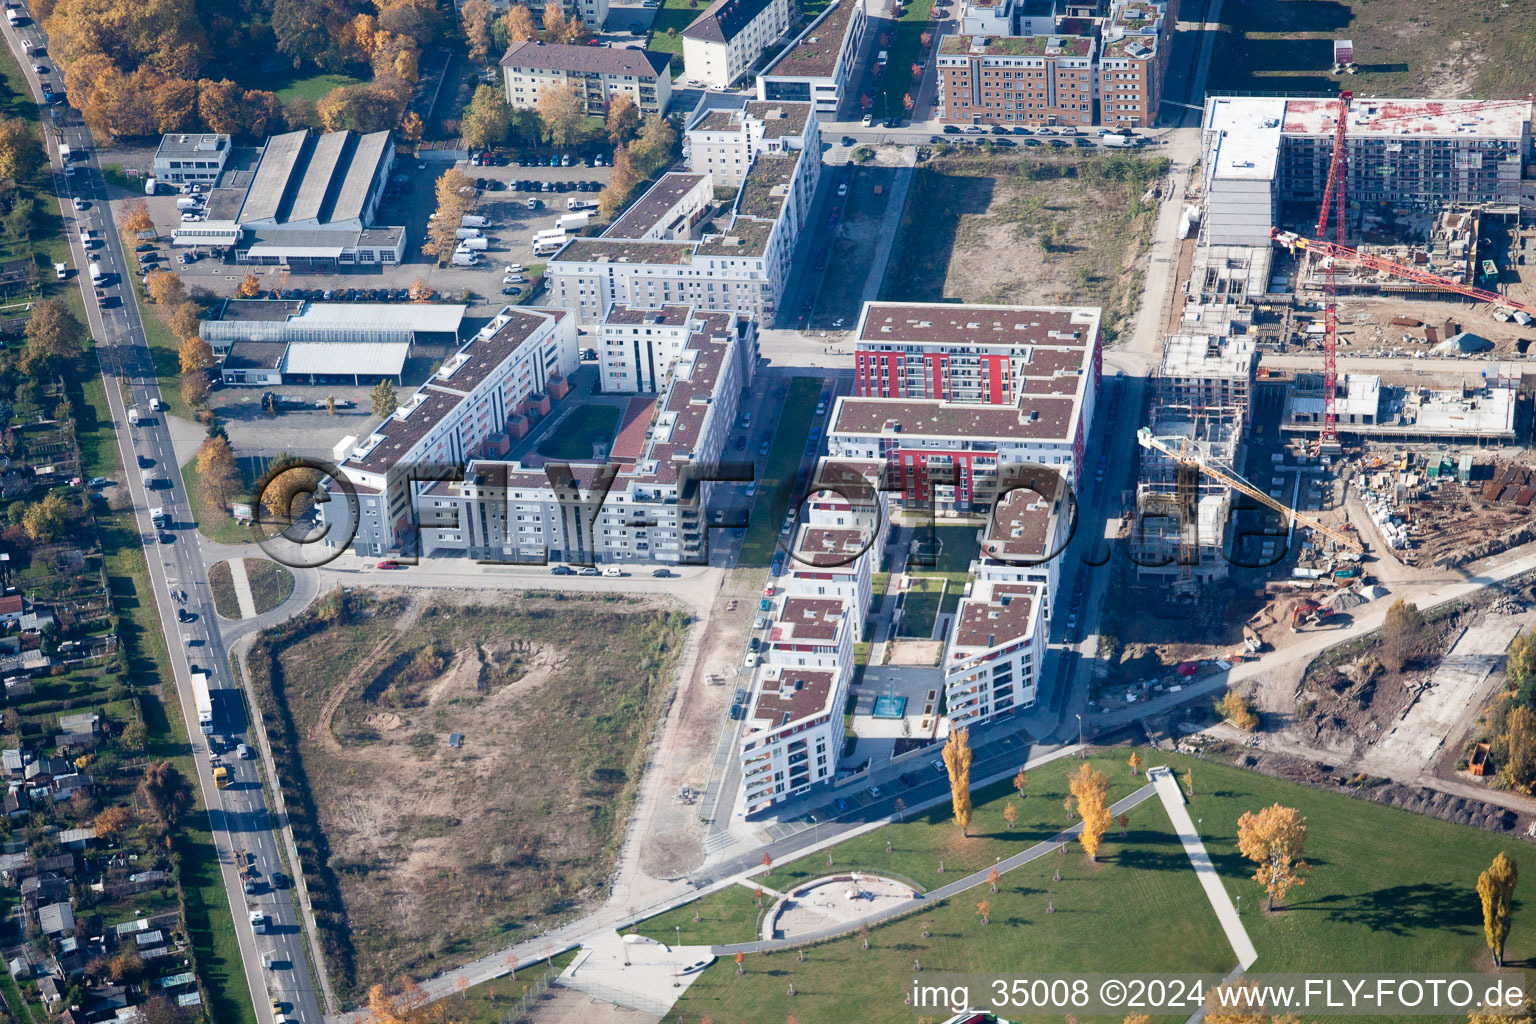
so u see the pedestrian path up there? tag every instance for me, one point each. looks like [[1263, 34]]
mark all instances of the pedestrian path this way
[[1173, 803], [242, 583]]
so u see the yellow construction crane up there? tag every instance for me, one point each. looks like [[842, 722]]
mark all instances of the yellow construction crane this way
[[1181, 451]]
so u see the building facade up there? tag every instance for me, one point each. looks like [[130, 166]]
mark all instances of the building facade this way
[[1030, 80], [183, 159], [816, 67], [597, 73], [725, 41]]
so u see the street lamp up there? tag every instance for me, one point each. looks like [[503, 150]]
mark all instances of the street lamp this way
[[1079, 732], [679, 933]]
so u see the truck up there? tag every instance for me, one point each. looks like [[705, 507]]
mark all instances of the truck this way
[[576, 203], [64, 153], [474, 220], [1123, 141], [220, 774], [474, 244], [96, 275], [159, 517], [133, 415], [573, 221], [189, 203], [464, 233], [463, 258], [548, 246], [12, 17], [204, 703], [149, 186], [552, 235]]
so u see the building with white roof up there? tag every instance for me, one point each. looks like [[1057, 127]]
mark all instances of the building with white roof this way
[[1365, 407], [190, 158]]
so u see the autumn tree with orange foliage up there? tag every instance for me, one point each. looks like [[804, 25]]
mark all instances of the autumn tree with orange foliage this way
[[136, 217], [1090, 790], [410, 1005]]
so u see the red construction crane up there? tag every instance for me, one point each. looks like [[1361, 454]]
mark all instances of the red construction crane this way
[[1334, 204]]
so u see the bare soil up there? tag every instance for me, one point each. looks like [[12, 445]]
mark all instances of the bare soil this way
[[444, 851]]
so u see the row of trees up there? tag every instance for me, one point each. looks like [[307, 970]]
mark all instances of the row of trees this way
[[486, 35]]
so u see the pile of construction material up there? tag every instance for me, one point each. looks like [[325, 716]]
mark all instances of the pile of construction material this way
[[1381, 508]]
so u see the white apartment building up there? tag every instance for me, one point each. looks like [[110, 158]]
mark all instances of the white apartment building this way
[[723, 141], [949, 396], [793, 732], [597, 73], [817, 66], [741, 265], [725, 41], [637, 347], [647, 501], [994, 652]]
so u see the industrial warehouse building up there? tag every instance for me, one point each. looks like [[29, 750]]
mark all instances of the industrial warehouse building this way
[[270, 341], [308, 204]]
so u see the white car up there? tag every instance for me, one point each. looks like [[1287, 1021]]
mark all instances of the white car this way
[[81, 204], [514, 268], [869, 119], [842, 190], [40, 69], [612, 570]]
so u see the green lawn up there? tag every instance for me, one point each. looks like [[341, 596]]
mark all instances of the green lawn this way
[[222, 584], [1139, 909], [676, 15], [919, 842], [215, 524], [906, 49], [920, 608], [271, 584], [575, 435], [309, 87], [730, 915], [776, 488]]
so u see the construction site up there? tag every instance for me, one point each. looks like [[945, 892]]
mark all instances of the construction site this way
[[1279, 491]]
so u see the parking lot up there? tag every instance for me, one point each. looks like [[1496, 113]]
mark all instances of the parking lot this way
[[411, 202]]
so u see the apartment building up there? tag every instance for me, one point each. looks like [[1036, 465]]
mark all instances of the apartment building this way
[[1026, 532], [1138, 35], [1260, 152], [596, 72], [949, 396], [740, 265], [793, 732], [816, 67], [510, 369], [725, 41], [637, 347], [647, 501], [722, 142], [994, 652], [1029, 80]]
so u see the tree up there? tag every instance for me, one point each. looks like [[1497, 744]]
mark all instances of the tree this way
[[1020, 783], [385, 401], [1496, 889], [1010, 814], [134, 738], [560, 111], [161, 1010], [518, 24], [623, 119], [249, 286], [261, 112], [653, 149], [185, 320], [218, 475], [194, 389], [1090, 789], [621, 182], [420, 290], [1400, 633], [453, 195], [1234, 707], [477, 18], [957, 761], [984, 911], [1273, 839], [44, 520], [1520, 669], [1189, 781], [218, 105], [286, 490], [1135, 762], [993, 877], [359, 108], [408, 1006], [487, 119], [411, 126], [53, 336], [1517, 746], [195, 355], [21, 154], [166, 792], [113, 821], [165, 288], [126, 967]]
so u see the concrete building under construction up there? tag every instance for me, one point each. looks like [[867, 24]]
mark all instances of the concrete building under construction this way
[[1366, 409], [1203, 393]]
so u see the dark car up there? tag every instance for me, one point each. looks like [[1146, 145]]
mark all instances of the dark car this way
[[951, 129], [848, 140], [1019, 129], [661, 574], [562, 570], [1005, 143], [842, 805], [278, 880], [893, 122], [754, 645], [911, 779], [998, 129]]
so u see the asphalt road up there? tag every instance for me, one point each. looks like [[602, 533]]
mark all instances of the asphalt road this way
[[238, 814]]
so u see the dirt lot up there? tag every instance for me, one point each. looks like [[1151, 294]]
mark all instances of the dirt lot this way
[[1481, 48], [441, 852], [1027, 230]]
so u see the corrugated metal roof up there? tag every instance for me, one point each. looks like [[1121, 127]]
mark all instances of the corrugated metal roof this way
[[366, 156], [328, 152], [416, 316]]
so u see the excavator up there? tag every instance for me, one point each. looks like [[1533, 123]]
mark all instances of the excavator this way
[[1186, 452]]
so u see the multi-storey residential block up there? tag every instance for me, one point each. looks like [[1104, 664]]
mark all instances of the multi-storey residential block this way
[[725, 41], [816, 67], [1042, 80], [722, 142], [793, 732], [993, 655], [596, 72], [741, 265], [1138, 36], [948, 396]]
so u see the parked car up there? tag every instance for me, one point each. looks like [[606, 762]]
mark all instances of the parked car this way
[[589, 570], [561, 570], [389, 563]]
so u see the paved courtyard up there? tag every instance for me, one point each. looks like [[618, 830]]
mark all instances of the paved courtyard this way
[[833, 901]]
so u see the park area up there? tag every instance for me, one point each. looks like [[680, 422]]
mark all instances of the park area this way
[[470, 766], [1018, 230], [1402, 48], [1387, 890]]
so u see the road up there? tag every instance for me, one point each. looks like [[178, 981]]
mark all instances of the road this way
[[237, 815]]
